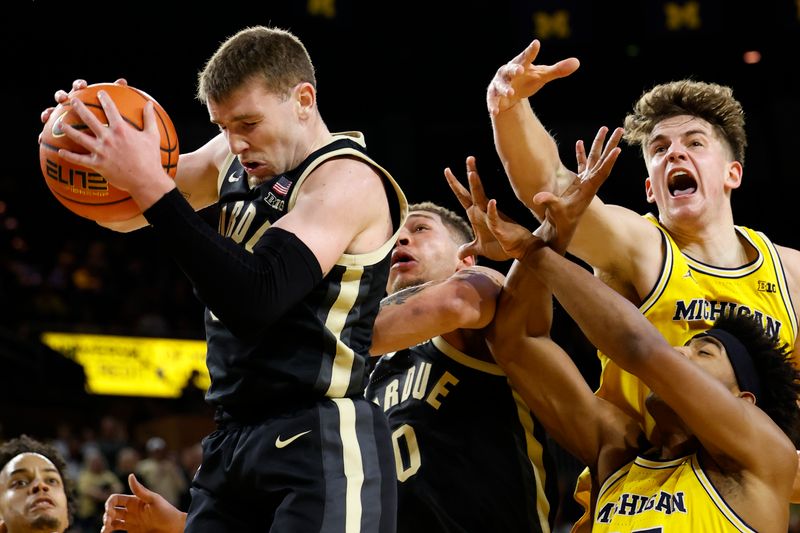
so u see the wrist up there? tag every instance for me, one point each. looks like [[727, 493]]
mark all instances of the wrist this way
[[531, 251], [150, 192]]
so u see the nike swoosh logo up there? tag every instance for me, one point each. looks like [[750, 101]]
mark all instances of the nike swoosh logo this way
[[284, 443], [233, 178]]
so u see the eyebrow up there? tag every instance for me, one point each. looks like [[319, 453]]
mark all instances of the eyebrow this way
[[27, 470], [689, 133], [238, 118]]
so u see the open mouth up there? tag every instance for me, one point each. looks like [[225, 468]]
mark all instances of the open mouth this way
[[400, 257], [681, 183]]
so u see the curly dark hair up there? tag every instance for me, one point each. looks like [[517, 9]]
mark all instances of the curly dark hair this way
[[26, 444], [712, 102], [780, 379]]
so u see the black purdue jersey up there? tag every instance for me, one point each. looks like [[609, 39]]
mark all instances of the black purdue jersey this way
[[470, 456], [319, 347]]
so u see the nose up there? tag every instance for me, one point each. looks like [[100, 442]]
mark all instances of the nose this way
[[676, 152], [237, 144], [38, 485], [404, 237]]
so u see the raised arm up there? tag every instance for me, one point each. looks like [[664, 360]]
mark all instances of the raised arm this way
[[465, 300], [615, 241], [731, 428], [550, 383], [539, 370], [528, 152]]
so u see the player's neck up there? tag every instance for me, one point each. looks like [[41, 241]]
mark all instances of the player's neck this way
[[719, 245], [676, 444]]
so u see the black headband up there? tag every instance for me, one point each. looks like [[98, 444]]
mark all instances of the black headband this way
[[741, 361]]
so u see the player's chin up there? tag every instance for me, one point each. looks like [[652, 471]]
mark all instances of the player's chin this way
[[398, 282]]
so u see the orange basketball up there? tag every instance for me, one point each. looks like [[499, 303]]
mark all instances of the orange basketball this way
[[82, 190]]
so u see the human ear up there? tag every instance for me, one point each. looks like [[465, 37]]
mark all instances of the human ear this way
[[648, 189], [305, 98], [748, 396], [733, 178]]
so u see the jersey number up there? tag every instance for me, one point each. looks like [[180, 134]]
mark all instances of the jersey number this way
[[406, 452]]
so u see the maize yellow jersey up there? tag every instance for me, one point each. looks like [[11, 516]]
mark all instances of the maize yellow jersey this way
[[663, 496], [690, 295]]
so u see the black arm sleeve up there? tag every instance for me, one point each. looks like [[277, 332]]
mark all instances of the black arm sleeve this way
[[247, 292]]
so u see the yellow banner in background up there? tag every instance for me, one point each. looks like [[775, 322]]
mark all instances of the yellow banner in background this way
[[135, 366]]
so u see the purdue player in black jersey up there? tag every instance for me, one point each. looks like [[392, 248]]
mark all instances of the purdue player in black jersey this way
[[292, 284], [469, 454]]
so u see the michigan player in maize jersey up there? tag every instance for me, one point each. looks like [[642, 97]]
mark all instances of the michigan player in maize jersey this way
[[689, 265], [292, 283], [469, 454], [723, 401]]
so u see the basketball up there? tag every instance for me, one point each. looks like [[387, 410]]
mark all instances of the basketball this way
[[82, 190]]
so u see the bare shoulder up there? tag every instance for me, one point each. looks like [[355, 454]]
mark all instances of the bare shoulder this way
[[791, 266], [620, 245], [349, 170], [791, 260], [478, 273], [341, 207]]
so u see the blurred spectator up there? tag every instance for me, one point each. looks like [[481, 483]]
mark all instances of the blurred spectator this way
[[70, 447], [128, 460], [112, 437], [160, 473], [191, 458], [95, 484]]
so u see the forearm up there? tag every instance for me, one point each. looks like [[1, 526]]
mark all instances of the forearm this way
[[466, 300], [610, 322], [407, 318], [528, 152], [539, 370], [247, 292], [525, 307]]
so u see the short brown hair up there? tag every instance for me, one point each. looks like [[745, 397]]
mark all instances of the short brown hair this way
[[274, 55], [713, 103]]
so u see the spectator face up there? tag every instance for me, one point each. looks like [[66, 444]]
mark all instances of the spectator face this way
[[32, 497]]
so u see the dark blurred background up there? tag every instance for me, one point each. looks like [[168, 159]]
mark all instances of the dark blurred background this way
[[410, 75]]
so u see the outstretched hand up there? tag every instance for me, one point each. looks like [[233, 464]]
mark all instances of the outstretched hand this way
[[563, 212], [474, 202], [143, 512], [520, 78]]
